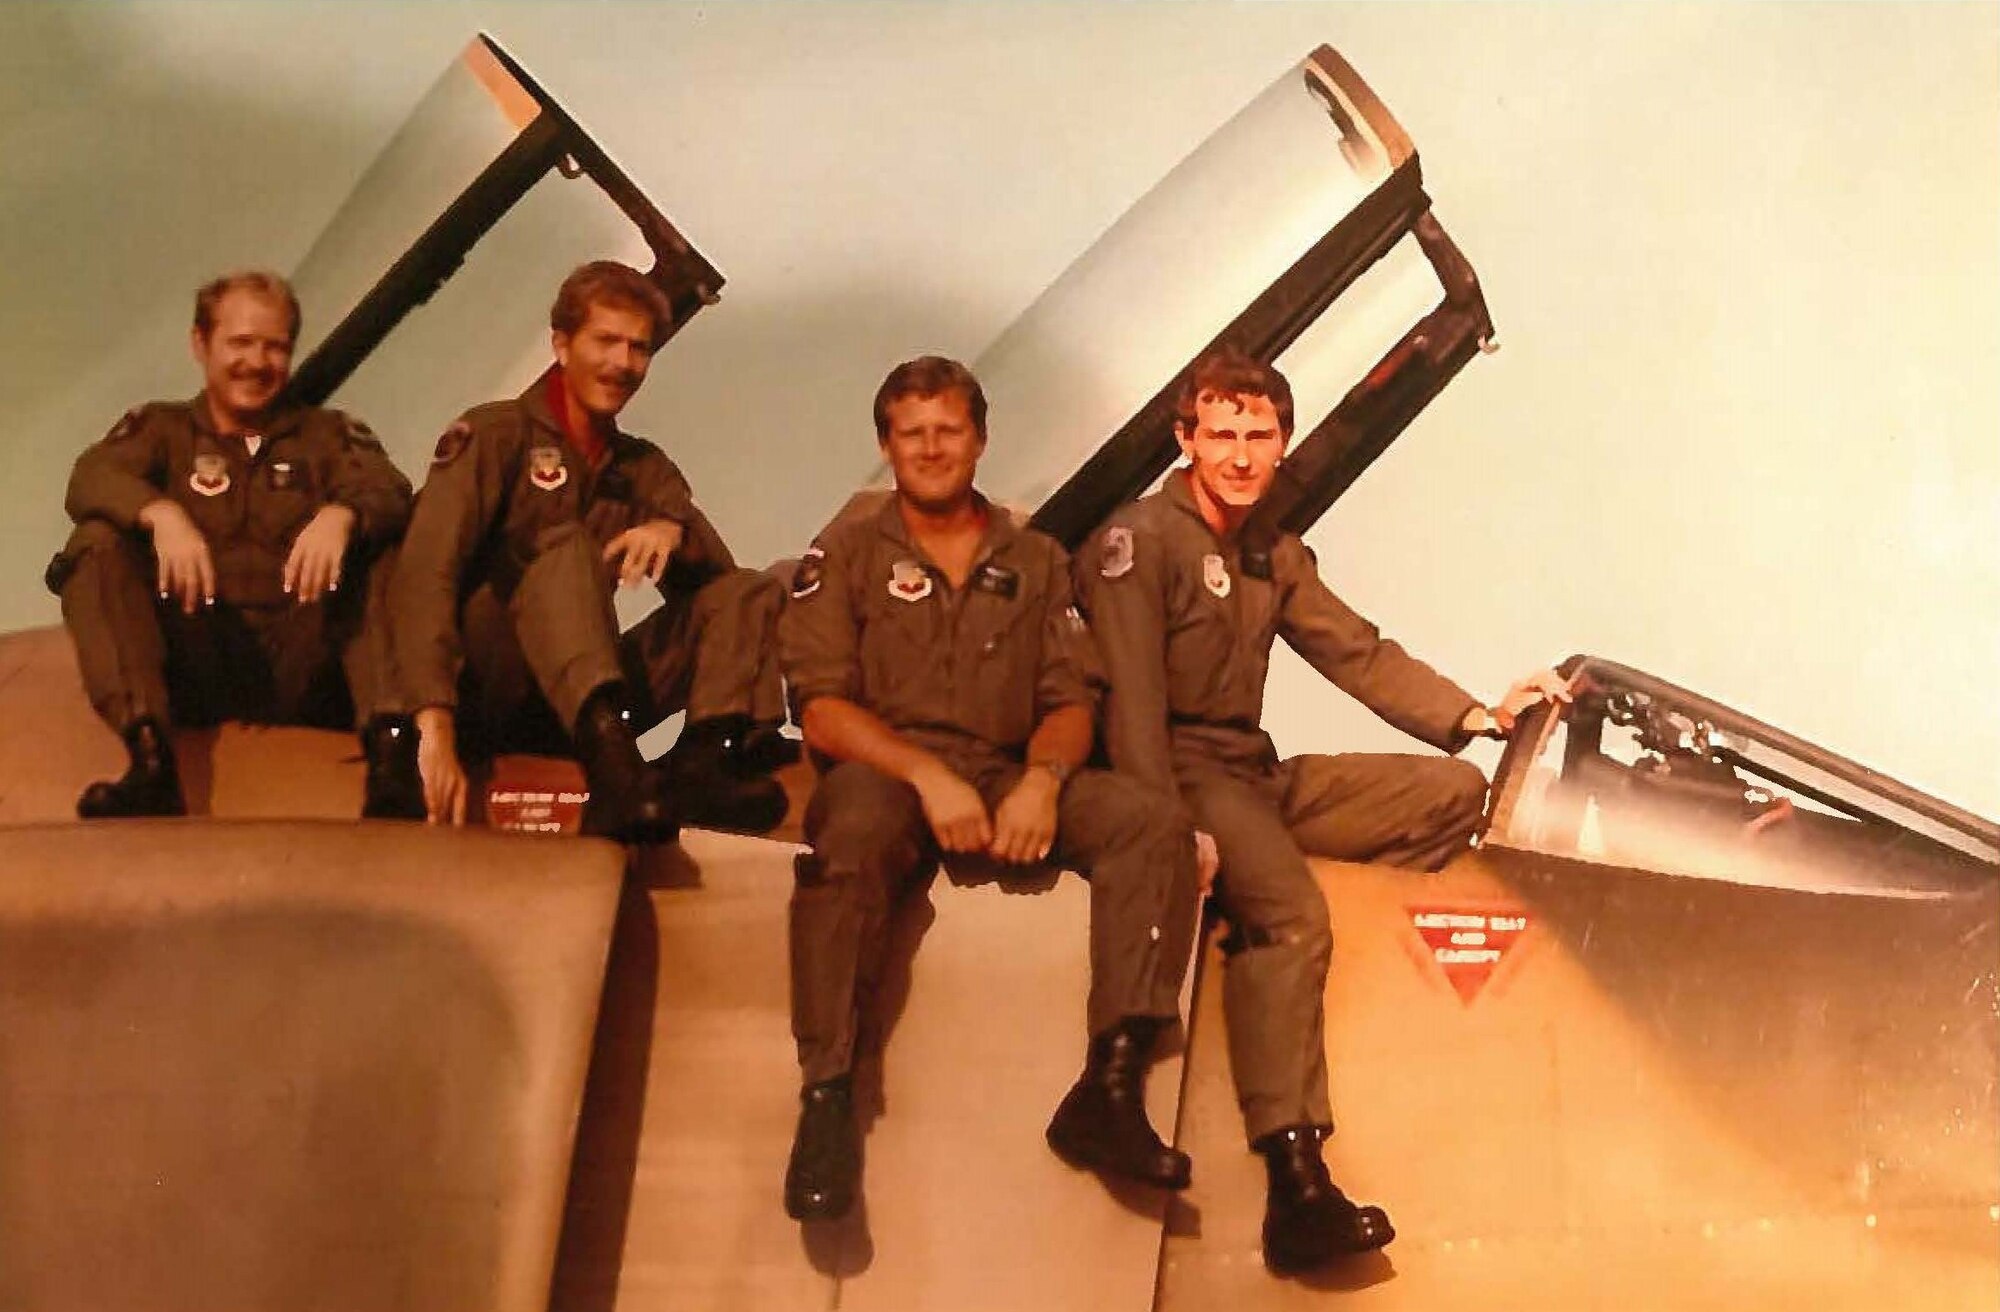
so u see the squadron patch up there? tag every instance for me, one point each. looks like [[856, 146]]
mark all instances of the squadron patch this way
[[211, 474], [1215, 574], [361, 435], [806, 578], [452, 443], [546, 469], [282, 475], [998, 580], [909, 581], [125, 427], [1117, 553]]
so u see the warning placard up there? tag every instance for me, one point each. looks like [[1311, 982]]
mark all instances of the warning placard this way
[[1468, 943], [535, 795]]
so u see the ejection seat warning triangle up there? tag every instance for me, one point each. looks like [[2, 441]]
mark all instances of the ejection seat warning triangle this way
[[1468, 943]]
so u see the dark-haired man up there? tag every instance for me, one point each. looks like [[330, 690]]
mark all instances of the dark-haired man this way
[[949, 688], [535, 511], [222, 565], [1186, 618]]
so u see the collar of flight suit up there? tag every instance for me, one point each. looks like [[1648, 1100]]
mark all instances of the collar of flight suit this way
[[1179, 491], [536, 401], [999, 535], [280, 423]]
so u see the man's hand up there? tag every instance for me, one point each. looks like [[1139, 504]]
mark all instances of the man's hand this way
[[1206, 860], [1529, 691], [646, 548], [1024, 826], [313, 568], [186, 570], [953, 807], [437, 765]]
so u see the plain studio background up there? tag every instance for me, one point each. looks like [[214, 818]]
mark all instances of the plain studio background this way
[[1744, 430]]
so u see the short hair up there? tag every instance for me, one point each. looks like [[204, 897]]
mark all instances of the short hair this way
[[258, 282], [1230, 372], [929, 375], [620, 286]]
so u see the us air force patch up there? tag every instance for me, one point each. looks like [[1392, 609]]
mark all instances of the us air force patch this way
[[546, 469], [1215, 574], [211, 474], [452, 444], [1117, 553], [806, 578], [909, 581]]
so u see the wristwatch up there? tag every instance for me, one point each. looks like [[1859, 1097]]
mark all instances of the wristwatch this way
[[1491, 727], [1059, 770]]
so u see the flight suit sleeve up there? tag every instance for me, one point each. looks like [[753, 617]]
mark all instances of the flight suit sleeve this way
[[464, 494], [1124, 590], [662, 491], [819, 638], [119, 474], [1070, 673], [1353, 654], [367, 482]]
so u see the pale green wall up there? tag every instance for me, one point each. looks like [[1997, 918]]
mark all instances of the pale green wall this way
[[1744, 260]]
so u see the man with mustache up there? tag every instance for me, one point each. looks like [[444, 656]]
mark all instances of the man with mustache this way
[[223, 562], [948, 688], [1185, 614], [535, 511]]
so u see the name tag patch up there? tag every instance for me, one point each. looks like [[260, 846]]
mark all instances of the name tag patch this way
[[998, 580]]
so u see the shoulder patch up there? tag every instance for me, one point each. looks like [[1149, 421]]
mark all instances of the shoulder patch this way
[[359, 434], [807, 577], [1118, 553], [126, 426], [452, 444]]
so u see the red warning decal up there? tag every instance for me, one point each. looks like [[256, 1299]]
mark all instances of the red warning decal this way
[[531, 795], [1468, 943]]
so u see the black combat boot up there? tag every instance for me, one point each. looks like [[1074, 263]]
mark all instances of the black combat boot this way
[[825, 1170], [711, 783], [1102, 1122], [764, 749], [627, 801], [150, 786], [1308, 1222], [393, 789]]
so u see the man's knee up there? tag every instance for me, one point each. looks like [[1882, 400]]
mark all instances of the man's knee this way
[[92, 542], [1458, 789], [861, 821], [1288, 915]]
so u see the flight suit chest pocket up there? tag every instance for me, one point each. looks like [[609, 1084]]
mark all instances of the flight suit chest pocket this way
[[545, 495], [285, 493], [904, 663], [211, 489], [1256, 612], [1001, 631]]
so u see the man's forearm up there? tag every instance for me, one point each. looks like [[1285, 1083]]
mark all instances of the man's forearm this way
[[1063, 738], [847, 731]]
